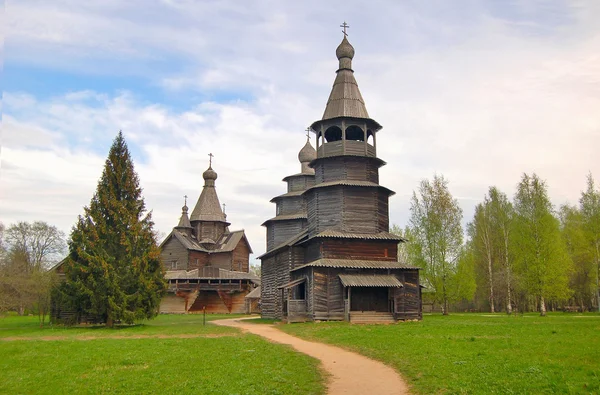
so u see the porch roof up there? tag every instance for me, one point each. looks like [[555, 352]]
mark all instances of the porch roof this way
[[292, 283], [370, 280], [356, 264]]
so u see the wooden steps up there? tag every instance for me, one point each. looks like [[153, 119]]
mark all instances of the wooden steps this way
[[371, 317]]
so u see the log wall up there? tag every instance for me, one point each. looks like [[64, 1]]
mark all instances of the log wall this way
[[347, 168], [241, 257], [348, 209], [373, 250], [275, 271], [174, 251]]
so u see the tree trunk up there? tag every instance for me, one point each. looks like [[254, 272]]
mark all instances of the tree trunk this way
[[109, 322], [508, 274], [542, 307], [490, 275]]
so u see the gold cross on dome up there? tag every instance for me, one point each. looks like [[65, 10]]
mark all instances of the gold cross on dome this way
[[345, 26], [210, 159]]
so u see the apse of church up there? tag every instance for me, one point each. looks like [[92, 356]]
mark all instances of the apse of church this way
[[330, 255]]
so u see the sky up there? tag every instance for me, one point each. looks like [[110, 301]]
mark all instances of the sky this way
[[478, 91]]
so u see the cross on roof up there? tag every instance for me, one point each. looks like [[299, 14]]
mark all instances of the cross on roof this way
[[224, 205], [345, 26], [308, 133], [210, 159], [185, 200]]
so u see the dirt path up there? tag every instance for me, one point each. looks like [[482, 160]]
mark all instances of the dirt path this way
[[350, 373]]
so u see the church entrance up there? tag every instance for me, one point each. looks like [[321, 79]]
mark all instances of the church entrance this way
[[369, 299]]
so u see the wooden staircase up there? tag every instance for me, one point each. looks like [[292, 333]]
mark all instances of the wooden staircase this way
[[371, 317]]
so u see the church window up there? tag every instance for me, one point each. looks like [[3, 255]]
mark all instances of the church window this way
[[174, 265]]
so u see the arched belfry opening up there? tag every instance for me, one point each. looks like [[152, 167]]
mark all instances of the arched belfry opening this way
[[355, 133], [370, 137], [333, 133]]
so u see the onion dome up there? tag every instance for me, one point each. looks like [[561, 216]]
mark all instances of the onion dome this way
[[344, 50], [209, 174], [307, 153]]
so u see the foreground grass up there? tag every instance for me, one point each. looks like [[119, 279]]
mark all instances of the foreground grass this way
[[134, 360], [164, 324], [479, 354]]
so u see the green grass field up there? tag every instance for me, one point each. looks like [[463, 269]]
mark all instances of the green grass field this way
[[478, 353], [172, 354]]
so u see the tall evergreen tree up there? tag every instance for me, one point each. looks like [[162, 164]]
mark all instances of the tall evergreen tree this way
[[590, 210], [435, 225], [114, 271], [540, 254]]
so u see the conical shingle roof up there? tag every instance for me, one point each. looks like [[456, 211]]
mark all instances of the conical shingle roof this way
[[208, 207], [345, 99]]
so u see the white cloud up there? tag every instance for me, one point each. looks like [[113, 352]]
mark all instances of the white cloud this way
[[478, 94]]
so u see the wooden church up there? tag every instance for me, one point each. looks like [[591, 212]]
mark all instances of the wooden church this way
[[206, 264], [330, 255]]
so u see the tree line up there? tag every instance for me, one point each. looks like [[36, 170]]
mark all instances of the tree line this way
[[27, 251], [521, 255]]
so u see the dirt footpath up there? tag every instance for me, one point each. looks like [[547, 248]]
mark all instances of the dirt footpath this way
[[350, 373]]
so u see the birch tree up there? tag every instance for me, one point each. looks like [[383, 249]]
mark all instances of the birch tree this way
[[435, 226], [590, 211], [540, 255]]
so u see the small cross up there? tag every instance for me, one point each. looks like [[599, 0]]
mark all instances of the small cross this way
[[308, 134], [345, 26], [210, 159], [185, 197], [224, 205]]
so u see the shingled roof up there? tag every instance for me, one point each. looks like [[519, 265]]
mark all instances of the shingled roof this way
[[208, 207], [345, 99]]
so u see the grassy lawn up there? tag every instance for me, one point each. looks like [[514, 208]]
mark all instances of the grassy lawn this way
[[479, 354], [157, 356]]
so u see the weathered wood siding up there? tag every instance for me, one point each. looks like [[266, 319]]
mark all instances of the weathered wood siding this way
[[327, 295], [241, 257], [408, 299], [172, 304], [335, 148], [209, 229], [324, 209], [222, 302], [281, 231], [174, 251], [222, 260], [198, 260], [275, 271], [300, 183], [375, 250], [347, 168], [348, 209], [291, 205]]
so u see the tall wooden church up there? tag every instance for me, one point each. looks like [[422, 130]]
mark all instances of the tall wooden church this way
[[207, 265], [330, 255]]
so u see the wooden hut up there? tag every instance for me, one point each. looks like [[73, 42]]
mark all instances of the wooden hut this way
[[330, 255]]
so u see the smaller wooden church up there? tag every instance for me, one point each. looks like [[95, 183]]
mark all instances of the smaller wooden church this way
[[207, 265], [330, 255]]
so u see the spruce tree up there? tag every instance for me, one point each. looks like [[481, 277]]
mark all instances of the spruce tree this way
[[114, 272]]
